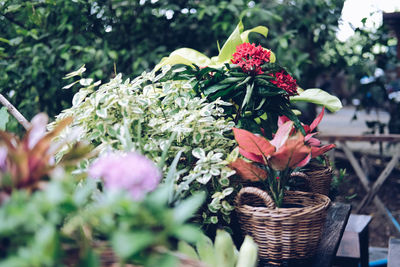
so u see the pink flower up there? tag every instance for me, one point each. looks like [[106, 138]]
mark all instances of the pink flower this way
[[131, 172], [250, 57], [285, 82]]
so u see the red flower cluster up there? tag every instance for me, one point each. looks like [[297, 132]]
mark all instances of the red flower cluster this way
[[250, 57], [285, 82]]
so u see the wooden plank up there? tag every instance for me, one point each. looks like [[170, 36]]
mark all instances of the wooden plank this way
[[360, 138], [379, 182], [356, 166], [394, 253], [338, 215], [358, 222], [363, 178], [354, 244], [349, 246]]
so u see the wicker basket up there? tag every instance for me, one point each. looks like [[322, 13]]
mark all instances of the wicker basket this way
[[318, 177], [282, 233]]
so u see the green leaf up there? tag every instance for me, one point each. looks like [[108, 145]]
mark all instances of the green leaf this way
[[198, 153], [230, 45], [4, 40], [205, 249], [189, 56], [214, 88], [319, 97], [188, 233], [4, 118], [259, 29], [126, 244], [163, 260], [224, 249], [79, 72], [187, 249], [186, 56], [90, 259], [249, 92], [231, 80], [248, 253], [188, 207], [170, 179]]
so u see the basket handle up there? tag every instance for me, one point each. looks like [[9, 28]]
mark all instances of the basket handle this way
[[262, 195], [304, 177], [327, 161]]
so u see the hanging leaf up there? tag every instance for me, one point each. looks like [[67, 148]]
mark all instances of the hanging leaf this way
[[319, 97]]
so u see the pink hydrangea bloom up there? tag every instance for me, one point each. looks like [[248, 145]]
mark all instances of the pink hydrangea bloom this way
[[131, 172]]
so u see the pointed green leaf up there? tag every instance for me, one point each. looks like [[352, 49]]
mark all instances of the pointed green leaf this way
[[188, 207], [214, 88], [249, 92], [189, 233], [205, 249], [185, 56], [188, 250], [126, 244], [248, 253], [225, 249], [230, 45], [189, 56], [319, 97], [259, 29]]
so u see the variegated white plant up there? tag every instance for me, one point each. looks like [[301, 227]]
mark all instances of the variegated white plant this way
[[142, 114]]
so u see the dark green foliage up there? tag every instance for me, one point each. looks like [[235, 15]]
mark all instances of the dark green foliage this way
[[41, 41], [257, 102]]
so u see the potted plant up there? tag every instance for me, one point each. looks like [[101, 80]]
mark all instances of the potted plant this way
[[284, 224]]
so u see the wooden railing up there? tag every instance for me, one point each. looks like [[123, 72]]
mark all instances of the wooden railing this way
[[341, 141]]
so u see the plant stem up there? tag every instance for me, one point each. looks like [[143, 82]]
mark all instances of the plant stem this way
[[16, 114]]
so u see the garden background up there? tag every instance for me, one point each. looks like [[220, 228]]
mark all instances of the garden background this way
[[43, 40]]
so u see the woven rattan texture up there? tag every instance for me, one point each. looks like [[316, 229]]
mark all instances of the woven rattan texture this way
[[282, 233]]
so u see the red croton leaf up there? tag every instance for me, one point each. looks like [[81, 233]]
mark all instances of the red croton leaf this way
[[282, 134], [252, 143], [248, 171], [290, 154], [317, 151], [251, 156], [317, 120]]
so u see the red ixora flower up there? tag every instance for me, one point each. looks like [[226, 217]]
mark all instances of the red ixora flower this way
[[286, 82], [250, 57]]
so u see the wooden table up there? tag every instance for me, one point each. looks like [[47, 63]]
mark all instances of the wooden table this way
[[338, 214]]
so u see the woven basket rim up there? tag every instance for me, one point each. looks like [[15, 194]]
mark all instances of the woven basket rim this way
[[322, 202]]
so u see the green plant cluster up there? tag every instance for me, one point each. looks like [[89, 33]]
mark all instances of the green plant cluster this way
[[256, 102], [223, 252], [144, 113], [71, 223]]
